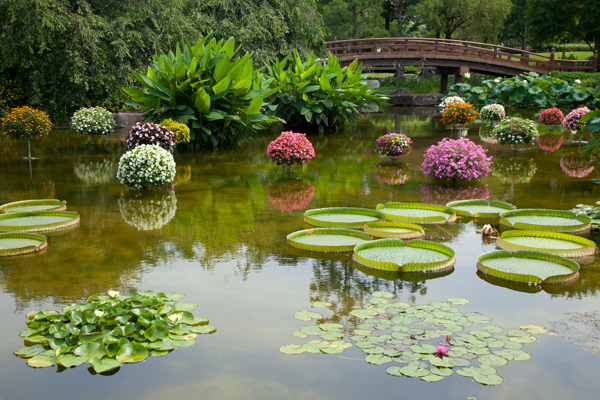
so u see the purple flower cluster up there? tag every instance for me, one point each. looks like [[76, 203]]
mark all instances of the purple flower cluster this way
[[571, 121], [551, 116], [456, 159], [150, 133], [290, 148]]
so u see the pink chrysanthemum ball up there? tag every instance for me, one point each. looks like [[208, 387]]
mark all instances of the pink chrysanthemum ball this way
[[571, 121], [551, 116], [290, 148], [456, 159]]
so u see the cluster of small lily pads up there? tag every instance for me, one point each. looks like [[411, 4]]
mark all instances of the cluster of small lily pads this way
[[404, 329], [110, 330]]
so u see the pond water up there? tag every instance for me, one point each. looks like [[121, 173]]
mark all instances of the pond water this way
[[219, 236]]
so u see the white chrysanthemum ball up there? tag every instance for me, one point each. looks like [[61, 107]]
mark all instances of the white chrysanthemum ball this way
[[146, 166]]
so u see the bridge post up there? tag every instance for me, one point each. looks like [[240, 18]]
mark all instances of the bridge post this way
[[399, 71], [444, 83], [595, 61], [552, 60]]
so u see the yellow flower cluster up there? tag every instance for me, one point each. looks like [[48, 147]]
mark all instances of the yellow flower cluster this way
[[181, 131], [26, 123]]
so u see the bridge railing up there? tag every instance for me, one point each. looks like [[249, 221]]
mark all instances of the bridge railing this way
[[422, 47]]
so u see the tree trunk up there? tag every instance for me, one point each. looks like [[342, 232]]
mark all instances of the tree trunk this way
[[525, 37], [399, 15], [387, 23]]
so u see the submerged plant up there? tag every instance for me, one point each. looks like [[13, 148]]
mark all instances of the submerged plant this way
[[456, 159], [107, 331]]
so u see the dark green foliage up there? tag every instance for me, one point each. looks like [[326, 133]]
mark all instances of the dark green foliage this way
[[567, 47], [571, 76], [418, 85], [208, 87], [319, 95], [592, 126]]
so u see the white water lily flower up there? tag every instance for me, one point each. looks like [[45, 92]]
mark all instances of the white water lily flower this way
[[467, 75], [578, 81], [174, 318], [113, 294], [99, 313], [487, 230]]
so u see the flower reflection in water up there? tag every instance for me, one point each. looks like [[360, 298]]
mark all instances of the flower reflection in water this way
[[148, 212], [514, 170], [393, 174], [290, 195], [576, 167], [550, 142], [442, 194], [31, 191], [96, 172]]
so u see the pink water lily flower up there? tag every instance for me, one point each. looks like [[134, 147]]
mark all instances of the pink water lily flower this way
[[442, 351]]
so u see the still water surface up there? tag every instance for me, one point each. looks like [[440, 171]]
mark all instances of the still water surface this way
[[219, 237]]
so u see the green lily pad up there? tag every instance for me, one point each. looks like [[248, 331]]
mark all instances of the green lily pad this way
[[414, 371], [307, 315], [312, 330], [392, 353], [395, 370], [91, 350], [374, 350], [403, 359], [492, 329], [362, 332], [104, 365], [185, 306], [131, 353], [27, 352], [441, 362], [490, 380], [315, 346], [378, 359], [299, 334], [40, 361], [523, 339], [459, 362], [441, 371], [513, 345], [424, 349], [493, 359], [363, 313], [481, 334], [386, 295], [70, 360], [321, 304], [332, 335], [457, 301], [292, 349], [534, 329], [432, 377], [332, 350], [377, 300]]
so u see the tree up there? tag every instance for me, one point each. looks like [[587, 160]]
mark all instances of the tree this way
[[487, 22], [351, 19], [516, 25], [397, 10], [446, 16]]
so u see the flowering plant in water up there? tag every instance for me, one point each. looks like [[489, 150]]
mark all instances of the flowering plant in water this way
[[551, 116], [493, 112], [515, 131], [146, 166], [93, 121], [452, 99], [459, 113], [181, 131], [443, 194], [393, 144], [290, 195], [290, 148], [514, 170], [391, 175], [571, 121], [456, 159], [152, 134], [550, 142], [575, 166]]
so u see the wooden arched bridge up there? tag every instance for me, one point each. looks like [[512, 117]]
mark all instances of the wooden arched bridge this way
[[450, 57]]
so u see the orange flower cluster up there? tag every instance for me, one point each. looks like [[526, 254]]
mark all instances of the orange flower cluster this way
[[459, 113], [26, 123], [12, 93]]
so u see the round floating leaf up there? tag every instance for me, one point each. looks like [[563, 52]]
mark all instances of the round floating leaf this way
[[518, 355], [185, 306], [523, 339], [467, 371], [27, 352], [488, 379], [104, 365], [315, 346], [479, 319], [175, 296], [493, 359], [321, 304], [362, 332], [441, 371], [91, 350], [459, 362], [492, 329], [385, 295], [403, 359], [414, 371], [512, 345], [377, 300], [341, 343], [158, 353], [363, 313], [481, 334], [457, 301], [332, 327], [70, 360], [332, 350], [204, 329], [392, 353], [441, 362], [292, 349], [365, 345], [368, 325], [480, 351], [432, 377], [377, 359], [299, 334], [401, 320], [131, 353], [393, 371], [494, 344], [332, 336], [312, 330], [374, 350], [40, 361], [307, 315], [424, 349], [534, 329], [516, 332]]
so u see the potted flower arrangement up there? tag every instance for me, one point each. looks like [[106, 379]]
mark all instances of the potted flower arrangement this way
[[456, 159], [150, 134], [290, 195], [550, 142], [452, 99], [393, 144], [514, 170], [459, 113], [181, 131], [515, 131], [551, 116], [146, 166], [290, 148], [575, 166], [393, 175], [26, 123], [444, 194], [93, 121], [493, 113], [571, 121]]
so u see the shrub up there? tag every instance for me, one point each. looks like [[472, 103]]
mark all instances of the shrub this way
[[146, 166], [493, 112], [150, 133], [448, 100], [456, 159], [459, 113], [570, 77], [319, 95], [93, 121], [393, 144], [290, 148], [181, 131], [571, 121], [551, 116], [515, 131], [26, 123]]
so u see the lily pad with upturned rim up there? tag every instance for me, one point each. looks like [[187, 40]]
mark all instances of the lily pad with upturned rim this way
[[395, 255], [546, 220], [34, 205], [417, 213], [342, 217], [17, 244], [327, 240], [398, 230], [528, 267], [480, 209], [37, 221], [560, 244]]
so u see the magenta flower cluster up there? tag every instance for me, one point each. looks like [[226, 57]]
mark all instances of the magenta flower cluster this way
[[290, 148], [571, 121], [551, 116], [575, 166], [456, 159], [152, 134]]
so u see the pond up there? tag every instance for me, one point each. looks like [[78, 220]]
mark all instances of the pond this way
[[219, 236]]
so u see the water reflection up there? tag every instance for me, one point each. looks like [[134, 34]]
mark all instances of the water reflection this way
[[526, 288], [404, 276], [550, 142], [443, 193], [147, 212], [96, 172], [513, 169], [290, 195], [31, 190], [575, 166], [396, 174]]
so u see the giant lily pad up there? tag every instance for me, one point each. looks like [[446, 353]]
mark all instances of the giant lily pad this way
[[327, 239], [395, 255], [417, 213], [560, 244], [528, 267], [342, 217], [34, 205], [16, 244], [546, 220], [480, 209], [38, 221], [398, 230]]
